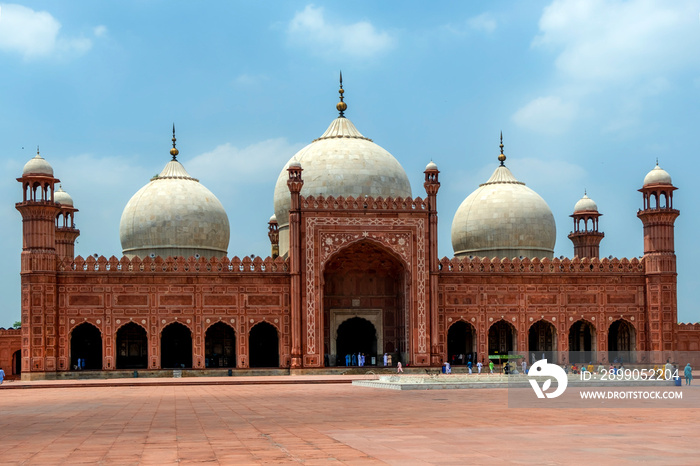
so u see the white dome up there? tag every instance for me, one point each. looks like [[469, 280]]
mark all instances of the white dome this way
[[342, 162], [504, 218], [657, 176], [586, 204], [62, 197], [174, 215], [37, 166], [431, 166]]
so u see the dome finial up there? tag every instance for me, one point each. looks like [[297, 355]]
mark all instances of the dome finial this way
[[37, 151], [501, 156], [657, 161], [341, 106], [174, 151]]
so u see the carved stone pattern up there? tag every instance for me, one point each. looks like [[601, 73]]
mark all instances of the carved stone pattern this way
[[339, 239]]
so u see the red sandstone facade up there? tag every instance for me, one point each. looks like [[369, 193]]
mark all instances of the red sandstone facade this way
[[362, 270]]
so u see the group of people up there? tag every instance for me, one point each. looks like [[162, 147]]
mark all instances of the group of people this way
[[355, 359]]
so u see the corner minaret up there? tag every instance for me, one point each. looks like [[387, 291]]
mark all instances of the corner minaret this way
[[38, 268], [273, 232], [658, 217], [586, 237]]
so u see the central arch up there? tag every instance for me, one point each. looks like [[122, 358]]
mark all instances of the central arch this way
[[367, 281], [86, 346], [176, 347], [621, 342], [356, 335], [461, 340], [220, 346], [582, 342], [542, 340]]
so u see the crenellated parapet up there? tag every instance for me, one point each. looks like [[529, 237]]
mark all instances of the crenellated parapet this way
[[175, 265], [364, 203], [545, 265]]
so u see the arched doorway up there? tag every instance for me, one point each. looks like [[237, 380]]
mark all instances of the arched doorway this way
[[461, 340], [542, 340], [86, 345], [263, 346], [356, 335], [582, 342], [366, 280], [17, 362], [220, 346], [502, 339], [621, 342], [132, 347], [176, 347]]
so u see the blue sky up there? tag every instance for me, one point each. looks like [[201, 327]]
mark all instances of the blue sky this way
[[588, 95]]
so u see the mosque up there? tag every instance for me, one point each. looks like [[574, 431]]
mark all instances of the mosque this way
[[353, 269]]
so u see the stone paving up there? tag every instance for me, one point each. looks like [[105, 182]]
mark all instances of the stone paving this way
[[326, 423]]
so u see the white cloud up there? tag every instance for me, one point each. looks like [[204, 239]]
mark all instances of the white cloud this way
[[100, 30], [35, 34], [259, 161], [549, 115], [359, 40], [484, 22], [614, 40]]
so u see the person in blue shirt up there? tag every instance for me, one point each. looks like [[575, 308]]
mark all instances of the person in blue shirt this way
[[2, 375], [688, 372]]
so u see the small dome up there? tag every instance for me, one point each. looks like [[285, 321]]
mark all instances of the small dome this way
[[342, 162], [37, 166], [657, 176], [62, 197], [586, 204], [504, 218], [431, 166], [174, 215], [273, 219]]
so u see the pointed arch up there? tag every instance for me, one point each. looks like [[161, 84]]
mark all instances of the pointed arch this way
[[220, 345], [542, 340], [132, 346], [503, 338], [176, 346], [263, 345], [462, 340], [86, 347], [582, 342], [622, 341]]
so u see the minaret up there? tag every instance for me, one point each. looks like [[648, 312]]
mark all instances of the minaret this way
[[658, 217], [295, 183], [38, 267], [586, 237], [66, 233], [273, 232]]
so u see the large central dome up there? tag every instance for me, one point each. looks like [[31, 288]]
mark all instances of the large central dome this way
[[174, 215], [504, 218], [342, 162]]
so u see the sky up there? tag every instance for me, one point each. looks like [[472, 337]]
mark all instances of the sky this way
[[588, 95]]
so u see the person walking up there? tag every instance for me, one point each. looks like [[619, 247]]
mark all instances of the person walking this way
[[2, 375], [479, 366], [491, 366], [399, 368], [688, 372], [469, 366]]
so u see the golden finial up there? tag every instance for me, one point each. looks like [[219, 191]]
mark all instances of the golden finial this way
[[341, 106], [502, 156], [174, 151]]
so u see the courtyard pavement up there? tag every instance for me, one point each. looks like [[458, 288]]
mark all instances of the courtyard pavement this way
[[169, 422]]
